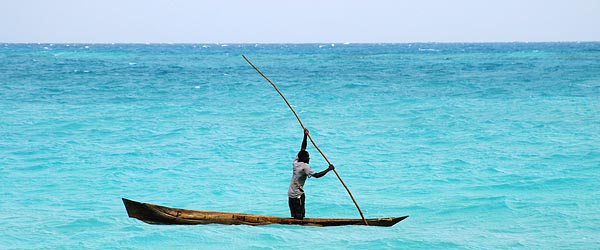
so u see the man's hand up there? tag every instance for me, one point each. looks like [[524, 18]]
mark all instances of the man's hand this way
[[324, 172], [331, 167], [305, 131]]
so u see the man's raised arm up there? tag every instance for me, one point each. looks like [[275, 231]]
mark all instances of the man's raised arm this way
[[304, 143]]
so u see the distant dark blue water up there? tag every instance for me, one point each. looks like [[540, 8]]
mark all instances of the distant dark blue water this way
[[485, 146]]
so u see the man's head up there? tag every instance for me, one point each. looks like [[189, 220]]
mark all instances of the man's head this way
[[303, 156]]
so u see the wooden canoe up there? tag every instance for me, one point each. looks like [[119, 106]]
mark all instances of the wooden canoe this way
[[155, 214]]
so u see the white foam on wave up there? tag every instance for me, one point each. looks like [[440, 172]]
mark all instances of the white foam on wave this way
[[430, 50]]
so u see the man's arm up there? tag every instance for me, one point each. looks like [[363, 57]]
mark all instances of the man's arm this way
[[304, 140], [324, 172]]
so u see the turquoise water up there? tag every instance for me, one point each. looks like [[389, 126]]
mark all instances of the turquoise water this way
[[485, 146]]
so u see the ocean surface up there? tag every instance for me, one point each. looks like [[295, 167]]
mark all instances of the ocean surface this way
[[484, 146]]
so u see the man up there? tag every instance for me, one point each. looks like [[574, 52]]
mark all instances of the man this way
[[301, 171]]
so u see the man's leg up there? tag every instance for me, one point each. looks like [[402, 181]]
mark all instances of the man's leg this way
[[296, 207], [302, 209]]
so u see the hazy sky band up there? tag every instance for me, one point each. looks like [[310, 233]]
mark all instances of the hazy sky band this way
[[270, 21]]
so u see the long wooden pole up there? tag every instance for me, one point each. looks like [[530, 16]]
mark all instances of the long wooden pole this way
[[309, 136]]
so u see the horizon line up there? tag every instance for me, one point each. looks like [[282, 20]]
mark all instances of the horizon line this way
[[307, 43]]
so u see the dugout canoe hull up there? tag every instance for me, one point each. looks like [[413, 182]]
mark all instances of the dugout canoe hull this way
[[155, 214]]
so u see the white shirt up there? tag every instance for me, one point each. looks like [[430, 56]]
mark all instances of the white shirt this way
[[301, 171]]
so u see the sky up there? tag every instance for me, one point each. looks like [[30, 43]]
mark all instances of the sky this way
[[298, 21]]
